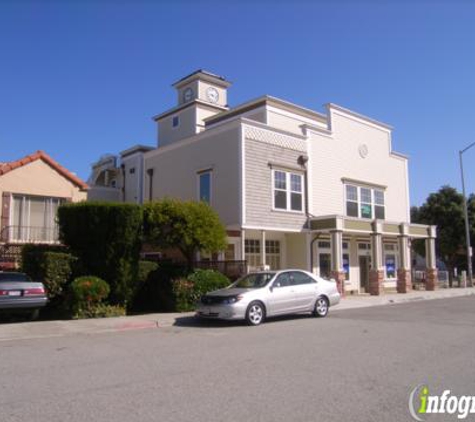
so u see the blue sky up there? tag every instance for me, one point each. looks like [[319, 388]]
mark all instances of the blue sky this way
[[82, 78]]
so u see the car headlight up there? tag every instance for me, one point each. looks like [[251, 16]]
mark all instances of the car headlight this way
[[232, 299]]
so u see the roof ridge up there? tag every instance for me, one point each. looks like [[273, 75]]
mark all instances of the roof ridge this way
[[37, 155]]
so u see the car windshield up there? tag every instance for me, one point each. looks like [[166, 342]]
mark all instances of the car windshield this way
[[13, 277], [254, 281]]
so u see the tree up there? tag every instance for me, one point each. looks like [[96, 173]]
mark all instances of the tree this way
[[445, 210], [189, 226]]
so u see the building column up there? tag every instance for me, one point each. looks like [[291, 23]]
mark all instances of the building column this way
[[404, 279], [376, 274], [431, 263], [263, 250], [337, 272]]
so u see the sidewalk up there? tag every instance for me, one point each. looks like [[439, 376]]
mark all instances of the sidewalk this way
[[47, 329]]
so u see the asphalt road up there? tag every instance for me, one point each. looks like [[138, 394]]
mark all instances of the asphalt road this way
[[354, 365]]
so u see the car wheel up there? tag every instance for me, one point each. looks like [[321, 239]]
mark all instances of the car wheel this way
[[321, 307], [34, 315], [255, 313]]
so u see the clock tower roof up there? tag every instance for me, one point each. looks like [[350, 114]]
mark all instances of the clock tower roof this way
[[204, 76]]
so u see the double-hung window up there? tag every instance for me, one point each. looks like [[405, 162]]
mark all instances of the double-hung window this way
[[364, 202], [288, 190]]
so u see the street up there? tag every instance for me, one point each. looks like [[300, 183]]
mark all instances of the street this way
[[354, 365]]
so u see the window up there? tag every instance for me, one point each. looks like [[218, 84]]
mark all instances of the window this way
[[390, 264], [346, 265], [204, 186], [298, 278], [364, 246], [283, 280], [253, 253], [132, 170], [364, 202], [324, 244], [252, 248], [325, 264], [175, 121], [351, 201], [288, 191], [34, 218], [273, 254], [379, 204], [390, 260]]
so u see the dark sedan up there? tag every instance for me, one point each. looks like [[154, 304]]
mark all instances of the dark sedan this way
[[19, 294]]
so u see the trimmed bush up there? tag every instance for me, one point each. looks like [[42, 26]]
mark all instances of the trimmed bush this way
[[186, 292], [86, 292], [106, 237], [51, 265]]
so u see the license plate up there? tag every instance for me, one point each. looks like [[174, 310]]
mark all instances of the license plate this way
[[14, 293]]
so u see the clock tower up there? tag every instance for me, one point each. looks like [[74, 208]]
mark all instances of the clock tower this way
[[200, 95], [204, 86]]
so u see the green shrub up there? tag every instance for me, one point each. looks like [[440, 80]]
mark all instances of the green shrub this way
[[87, 292], [145, 268], [186, 292], [106, 237], [100, 310], [155, 293], [208, 280], [184, 295], [51, 265]]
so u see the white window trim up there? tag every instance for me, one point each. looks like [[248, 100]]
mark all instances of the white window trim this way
[[288, 191], [359, 202], [198, 191]]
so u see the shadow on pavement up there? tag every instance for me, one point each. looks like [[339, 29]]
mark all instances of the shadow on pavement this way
[[195, 322]]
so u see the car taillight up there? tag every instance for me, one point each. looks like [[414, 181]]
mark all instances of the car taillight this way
[[3, 292], [34, 291]]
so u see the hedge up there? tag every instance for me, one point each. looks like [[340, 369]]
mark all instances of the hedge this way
[[51, 265], [188, 291], [106, 237]]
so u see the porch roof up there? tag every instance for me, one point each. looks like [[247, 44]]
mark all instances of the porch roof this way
[[345, 224]]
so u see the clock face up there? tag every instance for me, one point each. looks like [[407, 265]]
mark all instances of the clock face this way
[[212, 95], [187, 94]]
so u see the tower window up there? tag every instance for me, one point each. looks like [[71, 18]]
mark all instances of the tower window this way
[[175, 121]]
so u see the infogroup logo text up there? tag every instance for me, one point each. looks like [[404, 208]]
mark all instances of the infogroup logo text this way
[[422, 403]]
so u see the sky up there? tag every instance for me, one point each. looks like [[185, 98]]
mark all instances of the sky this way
[[82, 78]]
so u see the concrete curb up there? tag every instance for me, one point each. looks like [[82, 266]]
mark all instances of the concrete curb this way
[[48, 329]]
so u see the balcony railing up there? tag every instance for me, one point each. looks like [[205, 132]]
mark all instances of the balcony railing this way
[[233, 269], [29, 234]]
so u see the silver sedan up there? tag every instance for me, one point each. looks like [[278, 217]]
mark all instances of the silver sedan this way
[[270, 293]]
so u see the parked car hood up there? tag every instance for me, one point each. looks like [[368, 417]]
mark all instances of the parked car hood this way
[[234, 291]]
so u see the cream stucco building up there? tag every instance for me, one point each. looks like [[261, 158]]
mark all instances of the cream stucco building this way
[[295, 187], [31, 189]]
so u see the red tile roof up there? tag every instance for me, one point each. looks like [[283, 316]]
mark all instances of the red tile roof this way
[[41, 155]]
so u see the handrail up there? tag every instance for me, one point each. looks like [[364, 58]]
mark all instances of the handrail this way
[[22, 234]]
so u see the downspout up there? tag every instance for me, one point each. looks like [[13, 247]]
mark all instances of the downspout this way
[[122, 167], [302, 160]]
